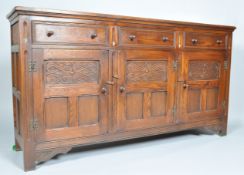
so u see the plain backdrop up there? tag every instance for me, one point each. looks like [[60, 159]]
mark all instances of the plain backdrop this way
[[183, 154]]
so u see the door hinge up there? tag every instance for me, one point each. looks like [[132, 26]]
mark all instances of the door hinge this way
[[175, 64], [225, 64], [223, 104], [34, 124], [174, 110], [32, 66]]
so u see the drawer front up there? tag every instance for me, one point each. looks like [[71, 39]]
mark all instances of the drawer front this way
[[205, 40], [146, 37], [69, 34]]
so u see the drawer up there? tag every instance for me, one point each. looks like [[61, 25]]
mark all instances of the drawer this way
[[205, 40], [146, 37], [69, 34]]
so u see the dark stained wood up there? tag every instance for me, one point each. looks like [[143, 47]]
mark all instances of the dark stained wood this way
[[85, 78], [143, 73], [88, 110], [158, 103], [19, 10], [56, 112], [139, 37], [212, 98], [61, 33], [134, 106], [15, 34], [205, 40], [203, 87]]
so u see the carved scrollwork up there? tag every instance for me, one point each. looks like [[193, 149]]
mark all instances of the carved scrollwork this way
[[71, 72], [203, 70], [143, 71]]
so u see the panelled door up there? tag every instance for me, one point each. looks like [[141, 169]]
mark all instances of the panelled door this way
[[145, 89], [202, 92], [70, 95]]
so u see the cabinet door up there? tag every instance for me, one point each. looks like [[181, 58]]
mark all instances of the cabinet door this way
[[145, 89], [70, 95], [202, 92]]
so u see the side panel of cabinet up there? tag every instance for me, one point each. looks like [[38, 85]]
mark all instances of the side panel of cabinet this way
[[67, 93], [202, 93], [145, 89]]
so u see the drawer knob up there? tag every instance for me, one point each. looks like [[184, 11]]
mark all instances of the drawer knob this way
[[132, 37], [194, 41], [165, 39], [219, 41], [104, 90], [121, 89], [185, 85], [93, 36], [50, 33]]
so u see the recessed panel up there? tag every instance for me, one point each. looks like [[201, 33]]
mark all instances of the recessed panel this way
[[71, 72], [158, 103], [15, 34], [194, 100], [134, 106], [203, 70], [16, 71], [56, 112], [144, 71], [88, 109], [212, 99]]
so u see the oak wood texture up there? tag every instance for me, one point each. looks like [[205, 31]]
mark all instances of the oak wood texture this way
[[85, 78]]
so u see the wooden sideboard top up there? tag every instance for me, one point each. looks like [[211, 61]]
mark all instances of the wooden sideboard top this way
[[19, 10]]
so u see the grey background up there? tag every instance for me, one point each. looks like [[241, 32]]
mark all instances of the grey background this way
[[185, 154]]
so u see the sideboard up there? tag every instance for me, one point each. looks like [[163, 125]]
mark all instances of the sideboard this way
[[86, 78]]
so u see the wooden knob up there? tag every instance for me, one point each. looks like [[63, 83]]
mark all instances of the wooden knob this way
[[121, 89], [194, 41], [132, 37], [185, 85], [94, 35], [104, 90], [50, 33], [219, 41], [165, 39]]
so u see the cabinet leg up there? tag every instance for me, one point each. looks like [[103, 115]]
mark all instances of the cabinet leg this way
[[221, 130], [17, 146], [29, 158]]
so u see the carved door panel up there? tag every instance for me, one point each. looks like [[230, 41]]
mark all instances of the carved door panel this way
[[202, 92], [145, 89], [70, 95]]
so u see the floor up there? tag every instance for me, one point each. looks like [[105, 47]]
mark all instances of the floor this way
[[183, 153]]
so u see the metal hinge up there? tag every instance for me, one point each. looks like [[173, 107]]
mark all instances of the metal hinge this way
[[32, 66], [174, 64], [223, 104], [34, 124], [225, 64]]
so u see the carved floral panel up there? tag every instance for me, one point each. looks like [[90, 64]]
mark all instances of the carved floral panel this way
[[71, 72], [203, 70], [143, 71]]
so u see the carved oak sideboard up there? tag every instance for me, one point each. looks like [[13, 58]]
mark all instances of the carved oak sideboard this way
[[85, 78]]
